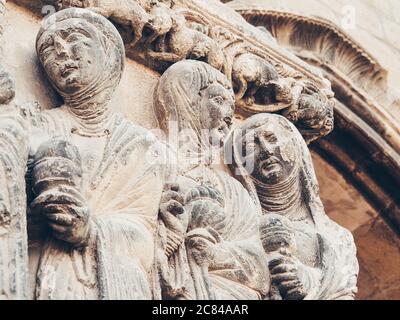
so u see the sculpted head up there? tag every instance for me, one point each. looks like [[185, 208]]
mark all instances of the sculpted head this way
[[216, 111], [269, 142], [79, 49], [196, 96]]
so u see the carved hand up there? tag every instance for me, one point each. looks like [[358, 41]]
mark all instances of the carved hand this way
[[201, 244], [172, 201], [172, 205], [67, 213], [207, 208], [285, 276]]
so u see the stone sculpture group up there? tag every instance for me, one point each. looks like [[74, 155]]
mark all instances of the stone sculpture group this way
[[222, 209]]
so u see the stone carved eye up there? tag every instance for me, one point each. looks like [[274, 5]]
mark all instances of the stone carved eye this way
[[73, 37], [270, 137], [47, 44], [218, 100], [77, 37], [249, 143]]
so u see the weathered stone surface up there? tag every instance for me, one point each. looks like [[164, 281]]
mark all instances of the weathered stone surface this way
[[309, 256], [82, 197], [377, 244], [115, 212], [220, 221]]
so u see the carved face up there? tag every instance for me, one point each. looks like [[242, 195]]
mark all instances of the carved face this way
[[216, 112], [72, 55], [273, 151]]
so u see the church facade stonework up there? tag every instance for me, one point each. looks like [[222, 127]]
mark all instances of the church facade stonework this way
[[160, 150]]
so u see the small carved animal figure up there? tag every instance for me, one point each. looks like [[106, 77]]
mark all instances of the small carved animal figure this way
[[251, 73], [132, 14], [312, 114], [182, 42]]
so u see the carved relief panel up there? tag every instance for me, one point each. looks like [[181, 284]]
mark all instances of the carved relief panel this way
[[125, 214]]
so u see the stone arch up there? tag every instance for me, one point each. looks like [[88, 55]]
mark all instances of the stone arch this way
[[365, 145]]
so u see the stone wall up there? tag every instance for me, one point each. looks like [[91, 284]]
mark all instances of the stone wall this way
[[378, 246]]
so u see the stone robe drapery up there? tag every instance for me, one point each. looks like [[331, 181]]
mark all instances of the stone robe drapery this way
[[239, 272], [326, 251], [123, 188], [237, 269], [13, 238]]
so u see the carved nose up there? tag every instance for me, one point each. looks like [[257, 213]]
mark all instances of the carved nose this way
[[61, 47], [266, 149]]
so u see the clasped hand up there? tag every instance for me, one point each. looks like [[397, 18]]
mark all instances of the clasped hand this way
[[67, 213]]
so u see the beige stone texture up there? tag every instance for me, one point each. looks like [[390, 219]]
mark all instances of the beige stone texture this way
[[131, 98], [376, 26], [378, 246]]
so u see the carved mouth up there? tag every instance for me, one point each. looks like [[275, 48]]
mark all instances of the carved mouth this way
[[270, 164], [67, 70]]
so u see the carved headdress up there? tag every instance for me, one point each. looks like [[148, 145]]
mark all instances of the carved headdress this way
[[338, 254], [177, 98], [177, 103], [111, 42], [304, 169]]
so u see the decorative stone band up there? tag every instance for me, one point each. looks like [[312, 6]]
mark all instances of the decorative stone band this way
[[328, 43], [352, 71], [265, 76]]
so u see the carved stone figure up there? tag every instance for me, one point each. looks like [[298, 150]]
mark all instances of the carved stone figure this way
[[97, 178], [223, 250], [309, 256], [260, 88], [312, 113], [181, 42], [128, 13], [257, 79], [112, 212]]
